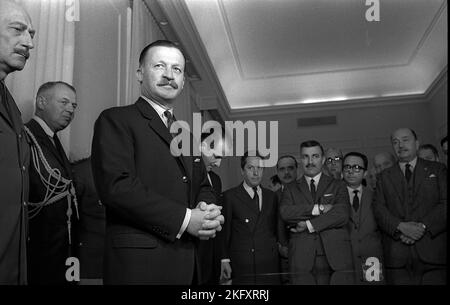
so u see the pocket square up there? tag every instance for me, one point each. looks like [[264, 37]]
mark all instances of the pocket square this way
[[196, 160], [432, 176], [327, 195]]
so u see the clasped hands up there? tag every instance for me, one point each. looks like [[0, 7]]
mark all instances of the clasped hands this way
[[302, 226], [411, 231], [206, 220]]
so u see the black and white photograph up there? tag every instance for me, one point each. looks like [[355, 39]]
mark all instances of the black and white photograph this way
[[224, 150]]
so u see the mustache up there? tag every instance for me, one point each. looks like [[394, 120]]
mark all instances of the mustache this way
[[310, 166], [166, 82], [23, 52]]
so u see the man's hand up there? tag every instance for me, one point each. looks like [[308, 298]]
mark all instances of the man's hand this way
[[327, 208], [225, 271], [407, 240], [412, 230], [206, 220], [283, 250], [301, 226]]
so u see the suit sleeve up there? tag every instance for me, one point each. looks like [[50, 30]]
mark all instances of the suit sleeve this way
[[338, 216], [436, 218], [225, 234], [387, 222], [290, 212], [120, 189]]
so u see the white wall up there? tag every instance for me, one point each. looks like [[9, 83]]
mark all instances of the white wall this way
[[364, 129]]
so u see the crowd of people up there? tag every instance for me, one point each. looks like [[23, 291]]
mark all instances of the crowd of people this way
[[134, 213]]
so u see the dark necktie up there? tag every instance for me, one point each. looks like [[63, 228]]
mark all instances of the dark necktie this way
[[408, 172], [256, 197], [170, 118], [313, 190], [355, 201]]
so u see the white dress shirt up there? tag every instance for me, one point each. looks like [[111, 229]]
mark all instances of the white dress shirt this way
[[352, 195], [315, 210]]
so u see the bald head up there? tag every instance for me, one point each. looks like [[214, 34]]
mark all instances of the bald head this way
[[16, 37], [382, 161]]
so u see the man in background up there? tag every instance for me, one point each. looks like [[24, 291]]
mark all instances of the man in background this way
[[16, 41], [52, 209], [410, 206], [428, 152], [383, 160], [333, 162]]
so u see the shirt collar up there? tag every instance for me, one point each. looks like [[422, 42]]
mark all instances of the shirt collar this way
[[359, 189], [160, 109], [316, 179], [412, 163], [44, 126], [249, 189]]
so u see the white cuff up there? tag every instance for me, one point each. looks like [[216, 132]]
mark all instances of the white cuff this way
[[315, 210], [186, 220], [225, 260], [310, 227]]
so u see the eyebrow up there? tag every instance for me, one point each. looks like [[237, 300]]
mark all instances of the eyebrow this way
[[23, 26]]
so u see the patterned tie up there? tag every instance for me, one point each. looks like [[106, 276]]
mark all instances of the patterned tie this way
[[408, 172], [313, 190], [355, 201], [170, 118], [256, 197]]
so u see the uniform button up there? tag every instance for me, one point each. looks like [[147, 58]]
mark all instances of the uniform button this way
[[20, 136], [185, 179], [253, 250], [24, 203], [24, 168], [246, 220]]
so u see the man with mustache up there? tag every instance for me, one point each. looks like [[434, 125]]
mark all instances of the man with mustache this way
[[16, 39], [155, 201], [333, 162], [52, 210], [410, 206], [317, 209]]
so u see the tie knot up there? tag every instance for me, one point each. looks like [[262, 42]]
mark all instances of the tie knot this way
[[255, 189], [407, 165], [168, 114], [355, 192], [312, 181]]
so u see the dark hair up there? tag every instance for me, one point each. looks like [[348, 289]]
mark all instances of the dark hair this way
[[414, 133], [286, 157], [245, 156], [359, 155], [50, 85], [311, 143], [157, 43], [275, 179], [444, 139], [430, 147]]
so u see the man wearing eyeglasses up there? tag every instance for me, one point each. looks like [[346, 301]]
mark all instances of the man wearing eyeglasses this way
[[333, 162], [317, 208], [364, 233], [410, 207]]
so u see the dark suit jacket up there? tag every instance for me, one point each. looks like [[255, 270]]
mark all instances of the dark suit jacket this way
[[249, 237], [208, 250], [332, 227], [428, 205], [364, 232], [146, 192], [92, 222], [48, 246], [14, 163]]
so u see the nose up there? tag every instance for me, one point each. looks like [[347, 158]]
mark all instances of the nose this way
[[168, 73], [28, 41], [70, 108]]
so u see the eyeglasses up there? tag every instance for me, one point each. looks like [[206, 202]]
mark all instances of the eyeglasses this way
[[333, 160], [355, 167]]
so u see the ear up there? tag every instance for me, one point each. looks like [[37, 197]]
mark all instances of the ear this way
[[41, 102], [417, 145], [139, 75]]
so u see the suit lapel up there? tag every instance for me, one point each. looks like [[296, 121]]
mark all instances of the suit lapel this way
[[15, 120], [398, 181], [323, 185], [419, 176], [157, 125], [246, 199], [365, 204], [303, 185]]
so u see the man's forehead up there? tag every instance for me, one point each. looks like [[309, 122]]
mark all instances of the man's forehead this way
[[12, 12], [165, 53], [311, 150], [352, 160]]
